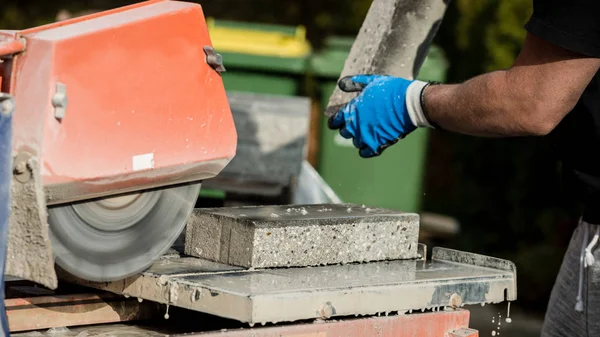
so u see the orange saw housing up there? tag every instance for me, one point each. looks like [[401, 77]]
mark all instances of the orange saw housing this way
[[119, 101]]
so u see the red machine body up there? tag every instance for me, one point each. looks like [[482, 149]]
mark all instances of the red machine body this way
[[120, 101]]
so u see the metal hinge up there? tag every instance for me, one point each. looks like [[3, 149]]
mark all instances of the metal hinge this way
[[214, 59], [60, 101]]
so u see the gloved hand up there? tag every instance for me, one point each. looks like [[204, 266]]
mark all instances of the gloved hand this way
[[387, 110]]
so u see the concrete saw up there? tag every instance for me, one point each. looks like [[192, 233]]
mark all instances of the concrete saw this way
[[146, 119], [113, 238]]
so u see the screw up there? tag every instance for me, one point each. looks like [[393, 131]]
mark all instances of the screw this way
[[20, 168], [326, 310], [455, 300]]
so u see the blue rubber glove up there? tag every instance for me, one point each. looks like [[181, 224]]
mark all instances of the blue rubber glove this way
[[387, 110]]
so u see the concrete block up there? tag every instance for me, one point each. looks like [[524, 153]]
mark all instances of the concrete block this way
[[394, 40], [301, 235], [272, 132]]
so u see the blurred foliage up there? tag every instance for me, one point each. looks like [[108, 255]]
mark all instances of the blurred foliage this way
[[506, 193], [482, 36]]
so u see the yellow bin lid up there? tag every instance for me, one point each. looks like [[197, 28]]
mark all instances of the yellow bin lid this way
[[244, 38]]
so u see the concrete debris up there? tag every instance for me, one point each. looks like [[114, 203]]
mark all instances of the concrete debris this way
[[309, 235]]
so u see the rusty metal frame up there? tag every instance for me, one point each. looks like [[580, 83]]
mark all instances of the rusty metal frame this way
[[454, 323], [436, 324]]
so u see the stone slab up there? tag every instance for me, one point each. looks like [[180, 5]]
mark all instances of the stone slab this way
[[272, 132], [301, 235], [394, 40]]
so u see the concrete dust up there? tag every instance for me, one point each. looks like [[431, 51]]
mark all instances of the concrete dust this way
[[109, 330], [57, 331], [29, 252]]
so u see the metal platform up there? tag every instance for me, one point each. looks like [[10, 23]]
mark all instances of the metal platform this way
[[450, 278]]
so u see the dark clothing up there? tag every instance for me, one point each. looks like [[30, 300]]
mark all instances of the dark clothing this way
[[575, 279], [575, 25]]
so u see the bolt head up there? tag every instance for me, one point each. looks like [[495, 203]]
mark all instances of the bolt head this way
[[20, 168], [326, 310], [455, 300]]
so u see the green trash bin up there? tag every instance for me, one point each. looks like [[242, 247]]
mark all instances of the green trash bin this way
[[261, 58], [392, 180]]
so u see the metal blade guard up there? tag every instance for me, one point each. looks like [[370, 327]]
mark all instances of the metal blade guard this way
[[116, 102]]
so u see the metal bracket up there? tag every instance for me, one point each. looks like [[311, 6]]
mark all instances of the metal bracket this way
[[422, 251], [214, 59], [457, 256], [60, 101]]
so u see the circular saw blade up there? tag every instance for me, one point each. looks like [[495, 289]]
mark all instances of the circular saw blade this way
[[113, 238]]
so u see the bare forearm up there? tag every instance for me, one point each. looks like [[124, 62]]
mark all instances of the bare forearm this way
[[530, 98], [482, 106]]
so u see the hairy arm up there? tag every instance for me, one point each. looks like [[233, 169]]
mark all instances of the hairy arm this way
[[530, 98]]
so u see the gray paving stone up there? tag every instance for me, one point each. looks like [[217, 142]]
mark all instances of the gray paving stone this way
[[272, 132], [393, 40], [301, 235]]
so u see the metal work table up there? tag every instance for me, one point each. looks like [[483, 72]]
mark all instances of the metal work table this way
[[449, 280]]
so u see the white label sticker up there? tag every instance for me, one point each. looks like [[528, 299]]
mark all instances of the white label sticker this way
[[143, 162]]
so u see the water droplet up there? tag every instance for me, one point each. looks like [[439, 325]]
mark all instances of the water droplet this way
[[493, 333]]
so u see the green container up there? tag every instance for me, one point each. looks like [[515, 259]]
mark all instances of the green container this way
[[261, 58], [394, 179]]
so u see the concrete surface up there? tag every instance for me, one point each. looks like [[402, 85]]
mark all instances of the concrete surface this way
[[393, 40], [309, 235], [29, 251], [293, 294], [272, 132]]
